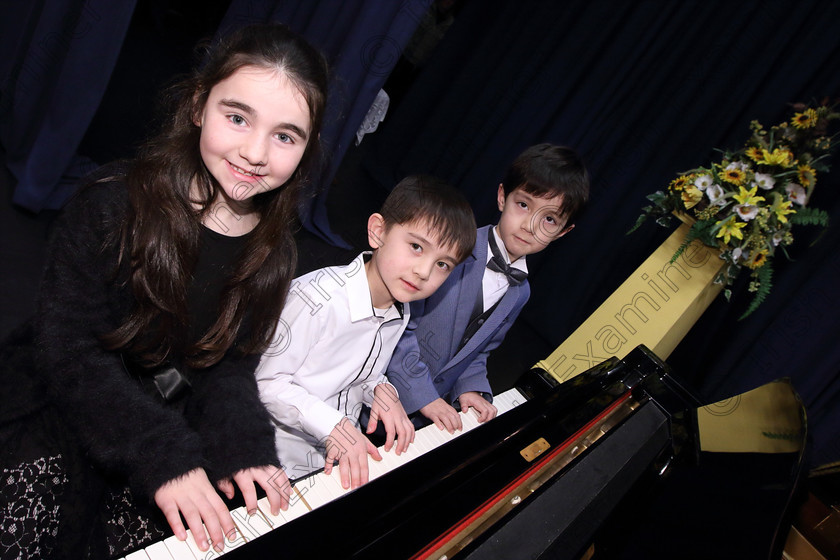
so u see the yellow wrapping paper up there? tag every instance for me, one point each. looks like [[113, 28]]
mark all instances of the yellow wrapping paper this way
[[656, 306], [768, 419]]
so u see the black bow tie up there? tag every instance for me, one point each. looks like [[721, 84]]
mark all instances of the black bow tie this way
[[497, 263]]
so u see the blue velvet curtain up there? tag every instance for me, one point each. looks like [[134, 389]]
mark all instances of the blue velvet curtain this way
[[643, 90], [57, 60], [59, 57], [362, 40]]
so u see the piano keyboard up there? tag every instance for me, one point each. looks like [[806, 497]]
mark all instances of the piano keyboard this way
[[314, 491]]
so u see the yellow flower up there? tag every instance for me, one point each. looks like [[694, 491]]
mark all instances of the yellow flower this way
[[779, 156], [782, 208], [805, 119], [755, 153], [679, 183], [730, 228], [734, 176], [757, 259], [807, 176], [748, 197], [691, 196]]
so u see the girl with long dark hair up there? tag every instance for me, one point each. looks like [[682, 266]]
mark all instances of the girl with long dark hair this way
[[131, 397]]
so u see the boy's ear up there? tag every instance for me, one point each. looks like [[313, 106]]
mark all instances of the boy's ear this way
[[566, 230], [376, 230], [500, 197]]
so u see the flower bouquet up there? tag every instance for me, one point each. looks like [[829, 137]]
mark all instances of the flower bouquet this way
[[747, 204]]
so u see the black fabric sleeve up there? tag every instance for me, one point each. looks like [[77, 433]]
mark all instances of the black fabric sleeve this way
[[234, 425], [125, 430]]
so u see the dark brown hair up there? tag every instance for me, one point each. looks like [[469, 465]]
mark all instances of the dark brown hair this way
[[423, 198], [546, 171], [160, 240]]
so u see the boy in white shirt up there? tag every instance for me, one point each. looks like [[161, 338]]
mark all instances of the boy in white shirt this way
[[340, 325]]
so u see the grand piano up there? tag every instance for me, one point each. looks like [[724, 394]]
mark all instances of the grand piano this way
[[542, 480]]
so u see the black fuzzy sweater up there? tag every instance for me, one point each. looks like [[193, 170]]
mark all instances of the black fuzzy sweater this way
[[127, 431]]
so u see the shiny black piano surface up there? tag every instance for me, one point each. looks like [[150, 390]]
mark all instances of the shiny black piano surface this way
[[399, 514]]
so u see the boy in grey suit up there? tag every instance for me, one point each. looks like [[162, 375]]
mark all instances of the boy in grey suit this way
[[440, 362]]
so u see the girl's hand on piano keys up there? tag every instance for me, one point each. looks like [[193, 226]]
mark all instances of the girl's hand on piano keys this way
[[272, 479], [347, 445], [471, 399], [443, 415], [193, 496], [388, 409]]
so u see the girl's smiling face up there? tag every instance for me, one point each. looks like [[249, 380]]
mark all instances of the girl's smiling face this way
[[254, 130]]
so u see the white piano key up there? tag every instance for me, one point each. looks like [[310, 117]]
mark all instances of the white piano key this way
[[508, 400], [297, 507], [331, 484], [376, 468], [251, 526], [311, 492], [274, 521], [197, 552], [179, 550], [421, 444], [231, 541], [469, 420], [325, 489], [411, 453], [443, 436], [390, 461], [158, 551]]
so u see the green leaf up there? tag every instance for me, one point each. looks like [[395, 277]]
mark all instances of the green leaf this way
[[764, 277], [809, 217], [699, 230], [639, 221]]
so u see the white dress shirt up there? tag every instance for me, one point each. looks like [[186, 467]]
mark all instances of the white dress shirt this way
[[330, 351], [495, 284]]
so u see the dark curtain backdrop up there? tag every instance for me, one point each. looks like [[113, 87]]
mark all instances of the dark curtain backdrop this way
[[362, 41], [643, 90], [57, 58]]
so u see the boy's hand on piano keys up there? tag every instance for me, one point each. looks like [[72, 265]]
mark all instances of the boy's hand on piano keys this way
[[443, 415], [193, 496], [272, 479], [388, 409], [347, 445], [471, 399]]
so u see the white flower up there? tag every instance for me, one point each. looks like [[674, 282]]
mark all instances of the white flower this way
[[703, 181], [746, 211], [777, 238], [715, 194], [739, 165], [796, 193], [736, 254], [764, 181]]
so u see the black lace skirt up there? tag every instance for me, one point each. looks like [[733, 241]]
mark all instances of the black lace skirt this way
[[54, 503]]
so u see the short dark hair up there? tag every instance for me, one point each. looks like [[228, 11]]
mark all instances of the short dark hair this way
[[547, 170], [423, 198]]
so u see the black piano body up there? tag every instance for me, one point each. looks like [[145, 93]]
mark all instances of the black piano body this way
[[587, 441]]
